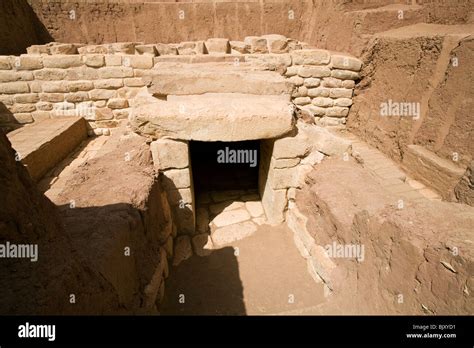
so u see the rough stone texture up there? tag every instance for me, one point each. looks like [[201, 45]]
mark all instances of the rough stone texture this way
[[228, 234], [182, 250], [215, 117], [169, 154]]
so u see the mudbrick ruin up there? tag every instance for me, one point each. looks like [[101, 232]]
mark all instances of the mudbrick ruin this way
[[224, 157]]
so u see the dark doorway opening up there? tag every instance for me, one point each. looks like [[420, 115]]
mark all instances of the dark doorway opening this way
[[223, 166]]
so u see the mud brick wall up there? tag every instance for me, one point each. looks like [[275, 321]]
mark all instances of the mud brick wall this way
[[99, 81]]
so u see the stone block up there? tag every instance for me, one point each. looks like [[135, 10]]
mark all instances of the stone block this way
[[62, 61], [322, 101], [147, 50], [165, 49], [291, 71], [95, 49], [5, 63], [331, 82], [319, 92], [310, 57], [239, 47], [340, 93], [64, 48], [134, 82], [101, 94], [276, 43], [290, 147], [176, 179], [348, 84], [302, 100], [12, 76], [77, 97], [296, 80], [217, 45], [345, 74], [257, 44], [312, 82], [345, 62], [168, 154], [113, 60], [314, 71], [50, 74], [14, 87], [81, 73], [28, 62], [115, 72], [108, 84], [228, 234], [139, 62], [26, 98], [94, 60], [117, 103], [337, 111], [76, 86], [343, 102]]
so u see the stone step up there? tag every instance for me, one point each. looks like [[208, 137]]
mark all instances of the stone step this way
[[190, 79], [432, 170], [215, 117], [42, 145]]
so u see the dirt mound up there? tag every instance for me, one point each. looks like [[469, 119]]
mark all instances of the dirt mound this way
[[44, 286], [415, 260]]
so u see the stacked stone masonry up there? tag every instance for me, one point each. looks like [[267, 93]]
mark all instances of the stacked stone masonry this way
[[99, 81]]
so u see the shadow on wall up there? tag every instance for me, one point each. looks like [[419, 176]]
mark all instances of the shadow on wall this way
[[20, 27], [8, 121]]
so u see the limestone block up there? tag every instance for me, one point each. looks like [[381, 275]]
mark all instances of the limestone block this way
[[115, 72], [62, 61], [23, 118], [300, 91], [176, 178], [54, 86], [7, 99], [345, 62], [283, 178], [108, 84], [310, 57], [94, 60], [337, 111], [12, 76], [313, 71], [343, 102], [165, 49], [38, 49], [50, 74], [26, 98], [302, 100], [231, 217], [228, 234], [28, 62], [319, 92], [345, 74], [294, 45], [217, 45], [123, 47], [276, 43], [215, 117], [180, 196], [257, 44], [330, 121], [277, 62], [296, 80], [63, 49], [239, 47], [113, 60], [314, 110], [121, 114], [117, 103], [348, 84], [52, 97], [147, 50], [331, 82], [5, 63], [169, 153], [22, 108], [291, 71], [75, 86], [41, 115], [138, 62], [312, 82], [322, 102], [274, 203], [81, 73], [77, 97], [44, 106], [95, 49], [101, 94], [326, 142], [290, 147], [340, 93], [35, 86], [134, 82], [191, 48]]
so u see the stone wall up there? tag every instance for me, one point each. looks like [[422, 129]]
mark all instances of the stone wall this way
[[98, 81]]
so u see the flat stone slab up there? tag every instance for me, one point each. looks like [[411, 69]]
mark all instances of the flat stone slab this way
[[231, 217], [42, 145], [189, 79], [232, 233], [215, 117]]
